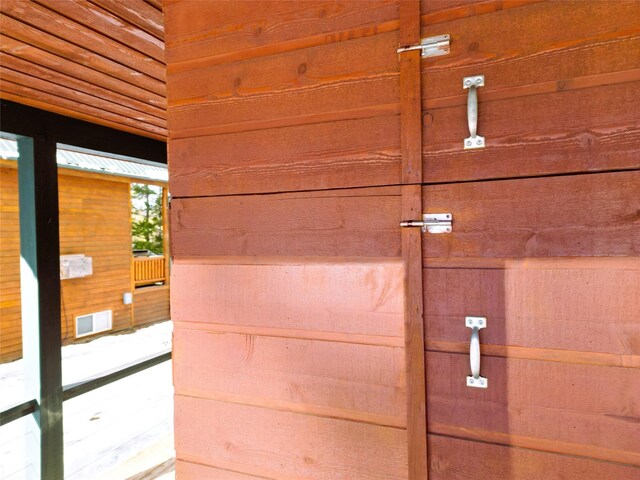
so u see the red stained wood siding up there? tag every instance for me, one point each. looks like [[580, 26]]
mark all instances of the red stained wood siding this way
[[287, 282], [296, 149], [545, 242]]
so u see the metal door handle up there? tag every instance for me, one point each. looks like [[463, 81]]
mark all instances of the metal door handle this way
[[472, 83], [475, 324]]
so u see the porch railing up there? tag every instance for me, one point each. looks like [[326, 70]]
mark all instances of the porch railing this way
[[148, 270]]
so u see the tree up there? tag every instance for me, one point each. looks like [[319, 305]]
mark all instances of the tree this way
[[146, 217]]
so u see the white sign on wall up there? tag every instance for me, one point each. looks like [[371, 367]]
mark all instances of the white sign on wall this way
[[75, 266]]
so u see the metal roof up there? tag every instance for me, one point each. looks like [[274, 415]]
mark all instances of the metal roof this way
[[94, 163]]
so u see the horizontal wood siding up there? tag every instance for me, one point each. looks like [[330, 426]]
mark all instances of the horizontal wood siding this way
[[10, 314], [521, 298], [205, 472], [286, 166], [503, 462], [94, 221], [290, 111], [287, 285], [281, 444], [264, 28], [566, 64], [336, 223], [150, 304], [258, 339], [566, 216], [545, 240], [99, 61]]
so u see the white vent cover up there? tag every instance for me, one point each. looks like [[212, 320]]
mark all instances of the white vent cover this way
[[93, 323]]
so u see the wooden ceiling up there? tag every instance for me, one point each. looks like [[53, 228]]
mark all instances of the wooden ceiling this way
[[100, 60]]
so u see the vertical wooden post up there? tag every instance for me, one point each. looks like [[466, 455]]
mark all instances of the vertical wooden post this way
[[40, 294], [411, 144]]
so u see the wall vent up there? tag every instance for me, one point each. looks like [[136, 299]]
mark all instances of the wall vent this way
[[93, 323]]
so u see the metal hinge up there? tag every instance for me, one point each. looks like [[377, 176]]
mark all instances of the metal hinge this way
[[432, 223], [431, 46]]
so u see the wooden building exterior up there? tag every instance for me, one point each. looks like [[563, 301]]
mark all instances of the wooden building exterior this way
[[314, 338], [299, 139], [95, 220]]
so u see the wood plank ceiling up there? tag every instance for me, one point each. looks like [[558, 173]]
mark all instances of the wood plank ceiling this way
[[100, 60]]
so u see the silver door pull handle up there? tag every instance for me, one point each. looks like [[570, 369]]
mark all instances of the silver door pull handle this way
[[475, 324], [472, 83]]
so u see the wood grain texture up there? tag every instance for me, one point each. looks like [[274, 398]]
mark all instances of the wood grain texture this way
[[80, 60], [571, 409], [63, 106], [56, 78], [264, 28], [56, 46], [19, 82], [338, 380], [360, 222], [94, 220], [466, 460], [370, 296], [550, 306], [411, 145], [44, 58], [112, 26], [573, 121], [150, 304], [329, 80], [306, 157], [564, 132], [189, 470], [571, 39], [583, 215], [414, 334], [43, 105], [138, 13], [11, 313], [74, 33], [280, 446]]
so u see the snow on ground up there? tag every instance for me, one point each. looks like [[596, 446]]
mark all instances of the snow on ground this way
[[108, 428]]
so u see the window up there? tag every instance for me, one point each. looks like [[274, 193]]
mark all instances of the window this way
[[93, 323]]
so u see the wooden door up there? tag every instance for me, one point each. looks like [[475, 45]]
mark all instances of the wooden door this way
[[545, 241]]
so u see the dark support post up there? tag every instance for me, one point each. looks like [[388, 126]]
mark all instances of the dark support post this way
[[40, 287]]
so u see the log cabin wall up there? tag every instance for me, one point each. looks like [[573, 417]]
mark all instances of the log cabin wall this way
[[287, 156]]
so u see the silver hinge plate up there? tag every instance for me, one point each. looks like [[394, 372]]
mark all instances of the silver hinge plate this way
[[432, 223], [436, 222], [430, 46]]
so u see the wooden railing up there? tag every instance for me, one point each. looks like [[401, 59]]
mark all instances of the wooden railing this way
[[148, 270]]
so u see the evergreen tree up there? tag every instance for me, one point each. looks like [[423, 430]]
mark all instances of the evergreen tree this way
[[146, 217]]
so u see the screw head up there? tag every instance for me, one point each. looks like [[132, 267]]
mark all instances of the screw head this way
[[471, 380], [481, 322], [481, 382], [468, 143], [478, 81], [479, 142], [467, 82]]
